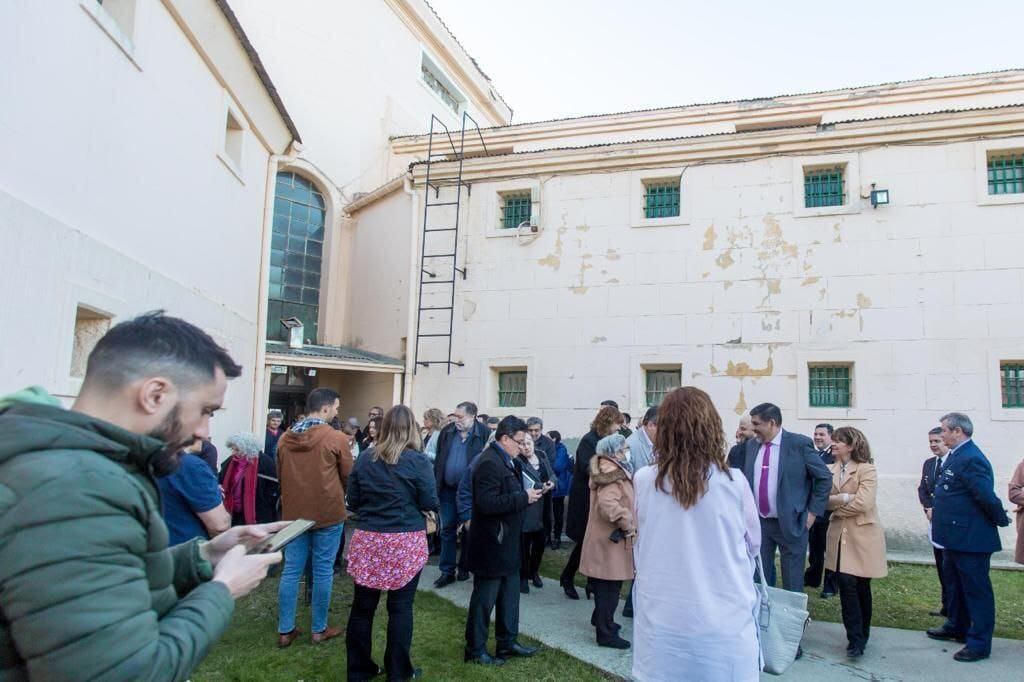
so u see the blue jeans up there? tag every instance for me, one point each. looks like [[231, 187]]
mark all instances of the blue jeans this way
[[324, 542], [449, 523]]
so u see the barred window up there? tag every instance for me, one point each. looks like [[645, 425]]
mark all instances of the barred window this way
[[660, 382], [661, 199], [824, 187], [829, 385], [1006, 173], [516, 208], [512, 389], [1011, 383]]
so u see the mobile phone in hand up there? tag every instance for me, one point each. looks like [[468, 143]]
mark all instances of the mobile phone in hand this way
[[277, 541]]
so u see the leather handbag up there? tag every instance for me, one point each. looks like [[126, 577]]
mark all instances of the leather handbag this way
[[781, 620], [431, 519]]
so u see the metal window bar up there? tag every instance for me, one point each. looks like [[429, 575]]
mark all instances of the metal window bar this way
[[438, 87], [511, 389], [1011, 383], [1006, 173], [660, 382], [829, 386], [824, 187], [661, 199], [516, 208], [427, 276]]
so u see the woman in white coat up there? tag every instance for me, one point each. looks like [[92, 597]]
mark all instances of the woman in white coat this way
[[698, 532]]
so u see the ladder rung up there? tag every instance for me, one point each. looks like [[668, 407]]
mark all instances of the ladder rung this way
[[439, 255], [437, 307], [438, 281], [427, 363], [443, 229], [432, 335], [442, 203]]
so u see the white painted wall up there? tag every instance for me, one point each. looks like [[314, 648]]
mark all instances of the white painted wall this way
[[350, 73], [112, 193], [925, 295]]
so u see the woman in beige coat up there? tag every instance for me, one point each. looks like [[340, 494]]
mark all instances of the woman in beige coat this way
[[856, 539], [607, 557], [1017, 498]]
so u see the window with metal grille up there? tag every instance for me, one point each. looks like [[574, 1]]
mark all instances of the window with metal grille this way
[[515, 208], [1011, 383], [823, 187], [296, 252], [1006, 173], [660, 382], [829, 385], [512, 389], [661, 199], [437, 86]]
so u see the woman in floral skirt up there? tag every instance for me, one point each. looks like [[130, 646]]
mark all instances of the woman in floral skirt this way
[[390, 487]]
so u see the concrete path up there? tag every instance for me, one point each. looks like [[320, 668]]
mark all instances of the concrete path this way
[[546, 615]]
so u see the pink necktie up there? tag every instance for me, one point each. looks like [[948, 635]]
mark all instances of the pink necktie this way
[[762, 488]]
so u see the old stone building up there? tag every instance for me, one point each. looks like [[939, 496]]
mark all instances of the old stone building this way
[[852, 256]]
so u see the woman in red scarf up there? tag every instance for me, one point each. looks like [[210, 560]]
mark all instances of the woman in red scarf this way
[[249, 481]]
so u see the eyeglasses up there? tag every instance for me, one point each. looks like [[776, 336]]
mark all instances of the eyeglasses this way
[[520, 442]]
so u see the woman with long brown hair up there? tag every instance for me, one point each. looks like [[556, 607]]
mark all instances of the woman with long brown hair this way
[[856, 539], [697, 536], [605, 424], [391, 486]]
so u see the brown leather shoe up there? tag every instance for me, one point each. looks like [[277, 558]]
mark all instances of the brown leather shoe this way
[[287, 638], [329, 633]]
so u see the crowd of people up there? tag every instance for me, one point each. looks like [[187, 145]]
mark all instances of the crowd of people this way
[[152, 551]]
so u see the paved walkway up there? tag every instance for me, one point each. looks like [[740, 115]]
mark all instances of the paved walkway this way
[[546, 615]]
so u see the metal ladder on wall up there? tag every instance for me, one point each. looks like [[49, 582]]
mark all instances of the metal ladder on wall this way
[[439, 246]]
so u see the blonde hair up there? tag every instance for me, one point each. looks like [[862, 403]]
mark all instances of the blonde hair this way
[[436, 416], [398, 433]]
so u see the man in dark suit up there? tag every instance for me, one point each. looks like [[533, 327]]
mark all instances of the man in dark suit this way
[[541, 443], [818, 535], [499, 501], [791, 486], [738, 453], [457, 445], [925, 493], [965, 515]]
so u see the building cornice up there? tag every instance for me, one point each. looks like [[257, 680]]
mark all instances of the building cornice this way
[[848, 136], [832, 105], [388, 188], [429, 30]]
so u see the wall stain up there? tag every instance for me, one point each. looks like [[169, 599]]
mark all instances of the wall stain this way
[[725, 259], [809, 281], [863, 301], [838, 235], [612, 254], [613, 280], [583, 228], [741, 404], [554, 260], [727, 284], [742, 369], [599, 339], [704, 275], [468, 309], [775, 286], [709, 237]]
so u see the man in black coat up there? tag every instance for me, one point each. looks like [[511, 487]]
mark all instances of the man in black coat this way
[[925, 494], [817, 537], [457, 445], [499, 502]]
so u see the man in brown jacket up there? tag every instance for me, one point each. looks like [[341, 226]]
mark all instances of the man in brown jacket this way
[[313, 462]]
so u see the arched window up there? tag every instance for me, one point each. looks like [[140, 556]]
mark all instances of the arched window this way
[[296, 250]]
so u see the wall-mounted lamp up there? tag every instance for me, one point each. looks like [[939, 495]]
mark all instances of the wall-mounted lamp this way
[[295, 329], [879, 197]]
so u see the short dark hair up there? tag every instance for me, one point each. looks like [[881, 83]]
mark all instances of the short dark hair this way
[[936, 431], [467, 407], [651, 415], [609, 403], [493, 420], [509, 426], [827, 427], [627, 417], [555, 436], [156, 344], [483, 417], [767, 412], [319, 398]]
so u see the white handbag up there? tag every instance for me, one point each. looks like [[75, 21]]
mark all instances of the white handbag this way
[[781, 621]]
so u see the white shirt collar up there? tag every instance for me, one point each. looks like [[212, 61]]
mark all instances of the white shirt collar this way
[[958, 447]]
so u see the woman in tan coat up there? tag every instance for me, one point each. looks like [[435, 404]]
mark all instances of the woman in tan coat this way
[[607, 557], [1017, 498], [856, 539]]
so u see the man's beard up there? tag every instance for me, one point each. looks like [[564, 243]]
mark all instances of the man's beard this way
[[169, 431]]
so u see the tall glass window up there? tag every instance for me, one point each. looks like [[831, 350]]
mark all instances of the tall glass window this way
[[296, 252]]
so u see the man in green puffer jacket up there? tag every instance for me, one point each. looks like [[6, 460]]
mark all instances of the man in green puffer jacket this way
[[89, 588]]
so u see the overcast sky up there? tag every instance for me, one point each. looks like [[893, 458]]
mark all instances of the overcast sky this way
[[555, 58]]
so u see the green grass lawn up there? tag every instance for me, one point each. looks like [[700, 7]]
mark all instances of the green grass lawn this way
[[901, 600], [248, 650]]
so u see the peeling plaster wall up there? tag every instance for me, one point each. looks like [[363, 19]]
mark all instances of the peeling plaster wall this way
[[917, 292]]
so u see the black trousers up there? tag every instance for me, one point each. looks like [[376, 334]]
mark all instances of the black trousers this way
[[558, 511], [499, 594], [572, 565], [463, 562], [816, 541], [942, 579], [606, 600], [532, 551], [855, 599], [359, 633], [548, 516]]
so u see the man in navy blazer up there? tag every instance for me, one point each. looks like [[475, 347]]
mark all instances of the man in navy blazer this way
[[791, 486], [965, 514], [925, 494]]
